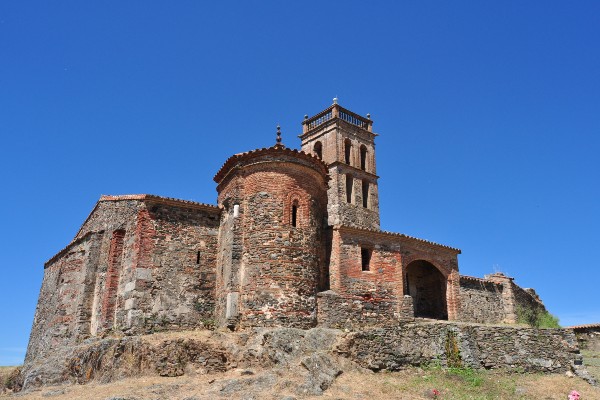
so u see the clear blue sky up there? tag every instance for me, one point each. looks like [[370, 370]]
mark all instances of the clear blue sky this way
[[488, 115]]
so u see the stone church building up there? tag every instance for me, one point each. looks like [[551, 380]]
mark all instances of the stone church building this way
[[294, 240]]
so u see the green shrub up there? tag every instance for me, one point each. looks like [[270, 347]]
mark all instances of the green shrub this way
[[536, 318]]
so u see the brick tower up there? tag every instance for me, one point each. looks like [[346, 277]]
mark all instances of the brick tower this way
[[346, 143]]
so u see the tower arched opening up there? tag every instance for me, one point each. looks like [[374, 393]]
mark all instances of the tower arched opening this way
[[347, 150], [363, 157], [318, 150]]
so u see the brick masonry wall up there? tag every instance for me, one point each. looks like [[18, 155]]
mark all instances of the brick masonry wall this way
[[481, 301], [390, 256], [512, 348], [445, 259], [383, 282]]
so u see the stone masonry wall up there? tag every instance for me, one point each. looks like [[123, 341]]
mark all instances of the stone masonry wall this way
[[354, 313], [520, 305], [229, 252], [353, 213], [70, 305], [475, 346], [58, 316], [125, 266], [175, 286], [527, 299], [480, 301]]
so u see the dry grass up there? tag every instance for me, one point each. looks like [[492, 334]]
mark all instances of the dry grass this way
[[4, 374], [413, 384]]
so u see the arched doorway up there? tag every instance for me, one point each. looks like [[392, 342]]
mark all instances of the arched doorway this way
[[427, 286]]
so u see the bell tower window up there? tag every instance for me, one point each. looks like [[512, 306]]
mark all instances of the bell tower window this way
[[363, 157], [318, 150], [349, 184], [347, 150], [365, 194]]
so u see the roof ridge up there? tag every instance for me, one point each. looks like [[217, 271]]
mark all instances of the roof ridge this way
[[381, 231], [218, 176], [105, 197], [583, 326]]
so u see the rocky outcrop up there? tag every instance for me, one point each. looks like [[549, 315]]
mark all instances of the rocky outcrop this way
[[316, 356]]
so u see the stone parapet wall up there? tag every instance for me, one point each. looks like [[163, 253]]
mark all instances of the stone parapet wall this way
[[345, 312], [481, 301], [466, 345], [527, 299]]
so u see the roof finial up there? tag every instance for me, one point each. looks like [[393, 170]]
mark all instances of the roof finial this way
[[278, 140], [335, 100]]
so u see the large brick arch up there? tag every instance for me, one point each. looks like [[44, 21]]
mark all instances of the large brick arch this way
[[445, 260], [427, 285]]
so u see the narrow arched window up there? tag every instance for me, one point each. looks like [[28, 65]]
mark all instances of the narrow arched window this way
[[294, 216], [363, 157], [365, 258], [365, 194], [347, 150], [318, 150], [349, 184]]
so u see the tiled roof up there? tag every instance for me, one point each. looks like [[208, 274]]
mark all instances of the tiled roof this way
[[585, 326], [234, 159], [401, 235]]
